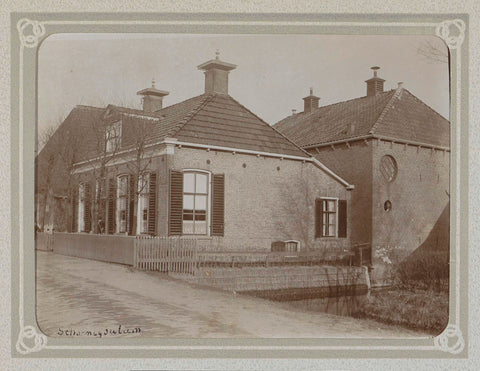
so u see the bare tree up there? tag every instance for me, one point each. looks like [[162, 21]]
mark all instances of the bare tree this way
[[140, 160], [298, 212], [432, 53]]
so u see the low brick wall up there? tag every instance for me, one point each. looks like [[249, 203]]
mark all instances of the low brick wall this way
[[284, 282], [113, 249]]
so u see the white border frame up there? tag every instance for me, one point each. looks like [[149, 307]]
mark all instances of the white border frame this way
[[30, 32]]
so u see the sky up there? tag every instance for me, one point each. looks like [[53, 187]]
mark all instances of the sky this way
[[273, 74]]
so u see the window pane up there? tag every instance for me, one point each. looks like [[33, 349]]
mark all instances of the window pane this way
[[189, 182], [122, 186], [331, 205], [143, 183], [200, 215], [331, 230], [201, 183], [200, 227], [200, 202], [187, 214], [188, 202], [188, 227], [122, 204]]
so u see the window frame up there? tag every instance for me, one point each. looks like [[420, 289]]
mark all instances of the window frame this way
[[116, 128], [81, 207], [322, 199], [208, 203], [117, 201], [143, 193]]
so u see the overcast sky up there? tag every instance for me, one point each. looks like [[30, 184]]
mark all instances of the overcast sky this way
[[274, 72]]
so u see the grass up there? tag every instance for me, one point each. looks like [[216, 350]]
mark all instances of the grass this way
[[424, 310]]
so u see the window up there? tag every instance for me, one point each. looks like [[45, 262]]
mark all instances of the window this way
[[388, 168], [329, 218], [101, 204], [195, 203], [81, 207], [113, 135], [122, 196], [143, 202]]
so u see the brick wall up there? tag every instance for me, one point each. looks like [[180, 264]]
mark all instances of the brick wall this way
[[266, 199], [354, 165], [418, 195]]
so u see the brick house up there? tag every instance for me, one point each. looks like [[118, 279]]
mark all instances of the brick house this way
[[396, 150], [205, 167]]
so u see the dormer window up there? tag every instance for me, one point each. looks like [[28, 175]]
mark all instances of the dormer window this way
[[113, 137]]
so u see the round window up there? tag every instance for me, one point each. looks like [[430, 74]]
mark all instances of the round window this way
[[388, 168], [387, 205]]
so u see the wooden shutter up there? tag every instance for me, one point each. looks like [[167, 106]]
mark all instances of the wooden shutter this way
[[152, 204], [218, 205], [130, 204], [318, 218], [87, 211], [175, 221], [75, 211], [111, 205], [342, 218]]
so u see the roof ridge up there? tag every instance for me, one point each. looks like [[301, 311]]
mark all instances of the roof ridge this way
[[385, 110], [87, 106], [186, 119], [272, 127], [329, 105], [181, 102]]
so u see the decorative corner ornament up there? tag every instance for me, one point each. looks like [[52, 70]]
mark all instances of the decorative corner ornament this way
[[450, 340], [452, 32], [30, 32], [29, 332]]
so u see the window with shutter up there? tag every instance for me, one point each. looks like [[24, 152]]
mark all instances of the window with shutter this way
[[87, 206], [342, 218], [152, 204], [143, 203], [122, 202], [74, 212], [81, 208], [131, 203], [318, 218], [111, 206], [218, 205], [326, 212], [176, 203], [195, 203]]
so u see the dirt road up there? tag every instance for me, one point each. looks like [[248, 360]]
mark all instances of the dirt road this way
[[78, 297]]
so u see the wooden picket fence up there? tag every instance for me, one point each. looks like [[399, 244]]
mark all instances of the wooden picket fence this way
[[166, 254]]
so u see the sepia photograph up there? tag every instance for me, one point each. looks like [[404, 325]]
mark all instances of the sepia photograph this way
[[242, 186]]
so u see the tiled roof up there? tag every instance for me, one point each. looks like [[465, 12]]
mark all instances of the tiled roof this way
[[209, 119], [222, 121], [395, 113]]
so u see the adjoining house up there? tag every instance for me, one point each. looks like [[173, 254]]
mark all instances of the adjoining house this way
[[396, 150], [205, 167]]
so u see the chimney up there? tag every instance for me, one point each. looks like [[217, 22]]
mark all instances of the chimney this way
[[152, 98], [216, 74], [310, 103], [375, 84]]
